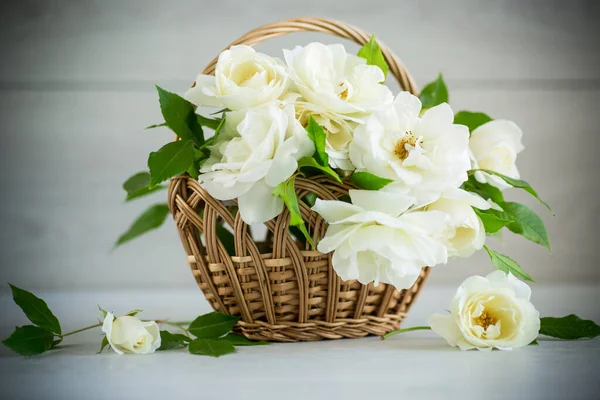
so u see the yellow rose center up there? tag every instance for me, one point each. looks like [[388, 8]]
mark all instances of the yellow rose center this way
[[400, 150], [486, 320]]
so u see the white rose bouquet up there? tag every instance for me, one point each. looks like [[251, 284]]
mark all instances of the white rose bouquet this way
[[429, 185]]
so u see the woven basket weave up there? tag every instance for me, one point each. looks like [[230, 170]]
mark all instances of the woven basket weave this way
[[282, 289]]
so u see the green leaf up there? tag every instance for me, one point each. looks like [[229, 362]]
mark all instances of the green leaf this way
[[103, 344], [194, 170], [29, 340], [150, 219], [239, 340], [170, 340], [569, 328], [170, 160], [104, 313], [368, 181], [133, 313], [211, 347], [372, 53], [484, 190], [218, 130], [156, 126], [517, 183], [317, 134], [507, 264], [534, 343], [180, 116], [492, 220], [212, 123], [471, 120], [35, 309], [434, 93], [226, 238], [56, 342], [311, 163], [527, 223], [212, 325], [138, 185], [286, 191]]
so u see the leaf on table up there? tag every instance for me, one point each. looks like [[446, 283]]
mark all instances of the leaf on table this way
[[570, 327], [30, 340], [212, 325], [35, 309], [211, 347], [170, 340]]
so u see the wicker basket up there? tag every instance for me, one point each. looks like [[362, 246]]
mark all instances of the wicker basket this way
[[282, 289]]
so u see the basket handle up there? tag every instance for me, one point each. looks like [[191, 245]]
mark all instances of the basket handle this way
[[330, 26]]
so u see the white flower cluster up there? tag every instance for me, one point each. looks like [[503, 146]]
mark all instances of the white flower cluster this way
[[421, 218]]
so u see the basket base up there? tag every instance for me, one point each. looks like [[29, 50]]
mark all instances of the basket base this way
[[319, 330]]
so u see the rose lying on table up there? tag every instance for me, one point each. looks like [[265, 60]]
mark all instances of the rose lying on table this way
[[486, 313], [209, 334], [495, 312]]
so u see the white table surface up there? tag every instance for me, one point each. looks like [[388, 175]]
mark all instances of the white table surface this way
[[413, 365]]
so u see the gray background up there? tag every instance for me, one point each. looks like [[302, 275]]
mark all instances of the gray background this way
[[76, 90]]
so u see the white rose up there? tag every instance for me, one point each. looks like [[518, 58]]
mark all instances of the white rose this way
[[256, 151], [338, 89], [494, 146], [130, 335], [427, 154], [467, 233], [243, 78], [490, 312], [376, 238]]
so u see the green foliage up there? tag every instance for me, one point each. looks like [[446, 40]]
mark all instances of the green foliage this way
[[526, 223], [484, 190], [311, 163], [507, 264], [30, 340], [368, 181], [103, 344], [169, 341], [317, 134], [372, 53], [212, 325], [138, 185], [36, 310], [180, 116], [493, 220], [286, 191], [569, 328], [434, 93], [150, 219], [211, 347], [226, 238], [170, 160], [516, 183], [471, 120]]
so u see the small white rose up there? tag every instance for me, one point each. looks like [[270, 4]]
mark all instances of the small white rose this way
[[339, 89], [494, 146], [130, 335], [378, 239], [257, 150], [490, 312], [427, 154], [243, 78], [466, 233]]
